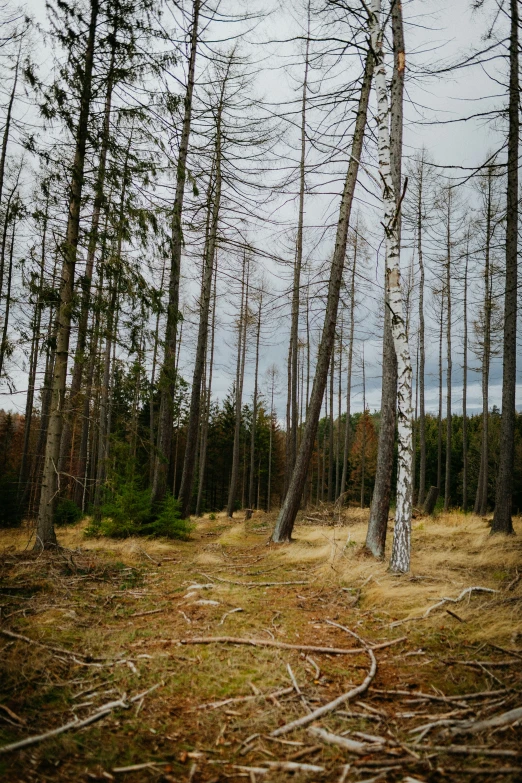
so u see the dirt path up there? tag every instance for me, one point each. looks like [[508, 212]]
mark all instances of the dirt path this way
[[118, 617]]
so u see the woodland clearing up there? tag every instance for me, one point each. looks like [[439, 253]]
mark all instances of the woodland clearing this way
[[99, 633]]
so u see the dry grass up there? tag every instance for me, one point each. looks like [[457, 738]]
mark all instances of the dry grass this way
[[88, 601]]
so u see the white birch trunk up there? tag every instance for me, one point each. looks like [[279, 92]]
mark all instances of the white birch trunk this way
[[400, 559]]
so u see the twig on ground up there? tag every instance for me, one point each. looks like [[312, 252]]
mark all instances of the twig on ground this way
[[253, 584], [468, 750], [213, 705], [344, 773], [497, 721], [137, 767], [297, 688], [430, 609], [284, 645], [352, 746], [293, 766], [232, 611], [101, 712], [332, 705]]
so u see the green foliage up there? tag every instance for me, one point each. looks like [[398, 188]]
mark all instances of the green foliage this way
[[129, 513], [67, 512]]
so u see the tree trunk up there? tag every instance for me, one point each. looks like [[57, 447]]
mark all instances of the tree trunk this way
[[4, 343], [85, 306], [439, 427], [204, 434], [187, 478], [251, 499], [7, 126], [400, 559], [168, 376], [380, 507], [422, 352], [331, 496], [45, 535], [347, 429], [465, 390], [448, 358], [288, 513], [240, 374], [502, 522]]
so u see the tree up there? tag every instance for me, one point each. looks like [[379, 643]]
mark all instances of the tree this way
[[45, 536], [288, 513]]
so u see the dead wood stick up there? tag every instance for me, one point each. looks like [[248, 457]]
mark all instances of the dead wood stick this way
[[430, 609], [297, 688], [482, 770], [151, 611], [101, 712], [353, 746], [491, 664], [293, 766], [212, 705], [285, 645], [332, 705], [252, 584], [516, 653], [468, 750], [449, 699], [504, 719], [61, 650]]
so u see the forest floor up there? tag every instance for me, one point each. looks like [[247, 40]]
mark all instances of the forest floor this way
[[108, 631]]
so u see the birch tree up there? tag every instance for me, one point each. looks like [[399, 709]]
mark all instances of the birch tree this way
[[400, 559]]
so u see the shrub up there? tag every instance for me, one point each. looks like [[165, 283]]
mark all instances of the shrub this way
[[129, 513], [67, 512]]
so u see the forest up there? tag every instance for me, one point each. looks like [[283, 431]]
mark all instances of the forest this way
[[259, 337]]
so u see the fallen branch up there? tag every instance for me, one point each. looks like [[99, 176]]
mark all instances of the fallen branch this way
[[293, 766], [232, 611], [482, 770], [464, 593], [253, 584], [504, 719], [101, 712], [213, 705], [285, 645], [353, 746], [332, 705], [467, 750]]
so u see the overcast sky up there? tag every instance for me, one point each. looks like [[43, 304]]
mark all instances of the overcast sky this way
[[433, 38]]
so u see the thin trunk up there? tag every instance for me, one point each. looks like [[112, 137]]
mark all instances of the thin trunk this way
[[204, 434], [254, 411], [339, 414], [363, 445], [331, 465], [85, 306], [4, 344], [422, 357], [167, 377], [439, 423], [240, 370], [502, 522], [288, 513], [152, 382], [449, 363], [380, 507], [7, 127], [294, 411], [347, 429], [187, 478], [33, 365], [465, 390], [45, 535]]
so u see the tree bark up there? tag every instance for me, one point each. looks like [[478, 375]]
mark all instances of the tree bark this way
[[449, 363], [187, 477], [465, 389], [206, 417], [347, 429], [251, 499], [240, 374], [168, 375], [380, 507], [45, 535], [85, 306], [422, 352], [286, 519], [400, 558]]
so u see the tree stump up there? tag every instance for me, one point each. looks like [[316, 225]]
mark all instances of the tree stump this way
[[248, 513], [431, 500]]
